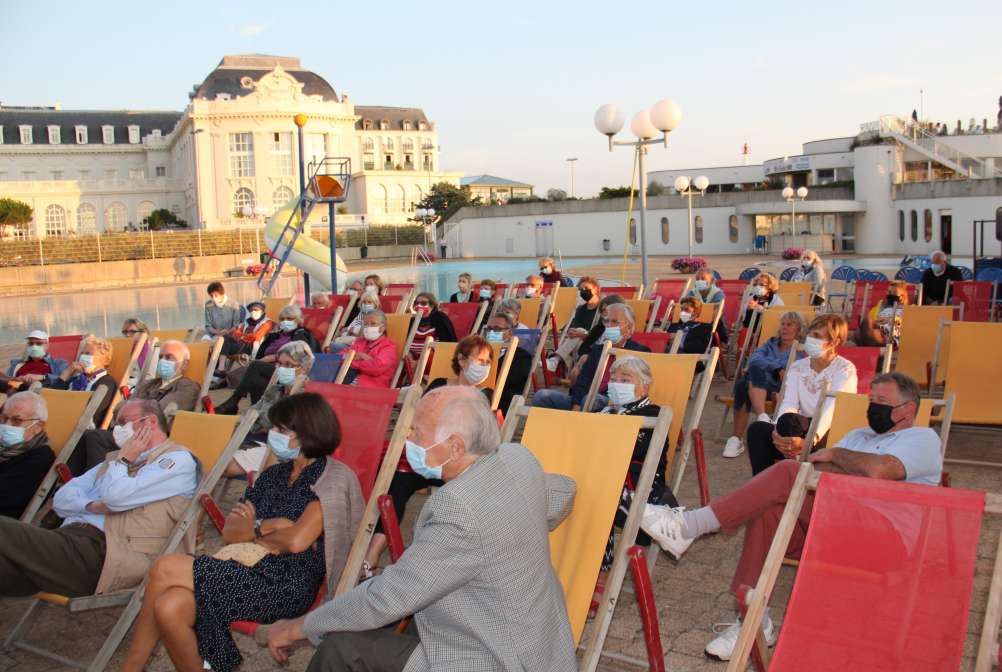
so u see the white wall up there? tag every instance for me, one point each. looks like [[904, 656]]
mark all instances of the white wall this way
[[964, 210]]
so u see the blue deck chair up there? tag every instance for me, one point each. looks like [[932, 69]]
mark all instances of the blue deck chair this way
[[716, 275], [909, 274], [528, 339], [846, 274], [749, 273], [966, 273], [325, 367], [788, 273]]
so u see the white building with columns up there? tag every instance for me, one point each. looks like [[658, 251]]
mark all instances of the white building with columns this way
[[234, 145]]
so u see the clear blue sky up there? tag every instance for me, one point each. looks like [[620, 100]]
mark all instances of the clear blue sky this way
[[513, 85]]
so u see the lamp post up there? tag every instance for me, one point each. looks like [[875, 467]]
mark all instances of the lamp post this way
[[572, 161], [661, 119], [686, 188], [427, 216], [791, 196]]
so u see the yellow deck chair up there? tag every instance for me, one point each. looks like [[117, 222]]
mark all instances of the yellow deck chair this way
[[973, 371], [532, 313], [595, 450], [798, 292], [211, 438], [400, 328], [643, 311], [850, 414], [273, 305], [204, 358], [70, 415], [125, 354], [765, 324], [564, 302], [441, 366], [162, 335], [917, 345]]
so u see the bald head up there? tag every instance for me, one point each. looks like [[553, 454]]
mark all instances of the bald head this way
[[177, 352], [456, 426]]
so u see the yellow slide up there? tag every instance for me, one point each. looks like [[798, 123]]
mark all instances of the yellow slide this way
[[307, 254]]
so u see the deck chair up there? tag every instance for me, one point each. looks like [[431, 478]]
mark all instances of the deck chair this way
[[204, 358], [331, 367], [897, 598], [161, 335], [393, 304], [595, 450], [70, 415], [466, 317], [536, 308], [625, 291], [212, 439], [644, 311], [711, 317], [657, 341], [670, 291], [440, 355], [972, 368], [563, 301], [65, 347], [770, 406], [398, 289], [917, 344], [977, 297], [532, 341], [401, 329], [273, 305], [866, 360], [125, 354], [766, 323], [323, 323]]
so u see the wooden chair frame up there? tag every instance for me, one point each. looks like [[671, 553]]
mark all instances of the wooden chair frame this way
[[405, 350], [537, 359], [137, 349], [501, 368]]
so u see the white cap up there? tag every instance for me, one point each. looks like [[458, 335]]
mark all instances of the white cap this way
[[39, 334]]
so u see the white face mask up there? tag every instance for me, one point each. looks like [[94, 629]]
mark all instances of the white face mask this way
[[36, 351], [86, 361], [371, 289], [352, 292], [122, 434], [620, 394], [476, 373], [530, 292], [685, 316], [219, 300], [371, 333], [759, 290], [814, 347], [256, 315]]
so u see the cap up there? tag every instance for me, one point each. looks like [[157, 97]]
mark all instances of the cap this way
[[39, 334], [253, 304]]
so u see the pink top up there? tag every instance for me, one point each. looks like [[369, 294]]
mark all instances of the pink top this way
[[378, 371]]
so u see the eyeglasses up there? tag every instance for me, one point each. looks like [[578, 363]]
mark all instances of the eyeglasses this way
[[16, 421], [122, 421], [130, 332]]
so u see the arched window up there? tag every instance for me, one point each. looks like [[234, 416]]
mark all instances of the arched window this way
[[697, 223], [55, 221], [927, 226], [86, 219], [901, 225], [914, 226], [382, 199], [368, 145], [389, 144], [143, 213], [732, 228], [243, 197], [665, 230], [281, 196], [115, 216], [633, 231]]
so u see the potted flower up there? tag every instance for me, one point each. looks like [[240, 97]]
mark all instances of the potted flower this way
[[793, 253], [688, 265]]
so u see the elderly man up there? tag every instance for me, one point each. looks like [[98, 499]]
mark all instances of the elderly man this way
[[25, 456], [169, 388], [619, 325], [477, 577], [534, 287], [498, 330], [891, 448], [117, 516], [934, 279], [37, 366]]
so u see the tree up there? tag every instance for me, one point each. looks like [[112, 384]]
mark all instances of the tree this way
[[615, 192], [556, 195], [447, 199], [14, 214], [163, 218], [655, 188]]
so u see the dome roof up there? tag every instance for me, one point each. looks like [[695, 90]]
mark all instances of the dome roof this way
[[235, 75]]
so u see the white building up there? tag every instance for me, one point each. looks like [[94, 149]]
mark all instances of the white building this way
[[891, 189], [234, 145]]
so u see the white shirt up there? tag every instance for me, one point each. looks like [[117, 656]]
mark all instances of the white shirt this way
[[803, 388], [917, 448], [173, 473]]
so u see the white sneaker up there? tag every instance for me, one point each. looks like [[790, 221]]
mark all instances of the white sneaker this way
[[551, 364], [664, 525], [722, 646], [764, 417], [733, 447]]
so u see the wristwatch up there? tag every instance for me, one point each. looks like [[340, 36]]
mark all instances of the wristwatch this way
[[257, 528], [125, 462]]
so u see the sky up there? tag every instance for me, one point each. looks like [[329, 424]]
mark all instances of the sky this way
[[512, 87]]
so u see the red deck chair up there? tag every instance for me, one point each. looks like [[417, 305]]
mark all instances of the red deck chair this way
[[389, 304], [462, 315], [670, 292], [657, 341], [897, 598], [866, 360], [976, 297], [499, 291], [65, 347], [400, 289], [626, 292], [863, 300], [318, 321]]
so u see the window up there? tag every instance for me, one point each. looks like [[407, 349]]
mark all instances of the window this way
[[389, 144], [86, 218], [422, 126], [137, 174], [143, 213], [369, 162], [133, 135], [54, 138], [281, 197], [407, 144], [57, 174], [161, 171], [108, 135], [384, 125], [388, 162], [407, 125], [408, 161], [697, 223], [55, 221], [633, 231], [928, 226], [316, 148], [901, 225], [367, 124], [27, 175], [427, 144], [368, 145], [81, 133], [914, 226], [427, 162], [114, 217], [25, 134], [22, 231], [281, 154], [241, 155], [732, 228], [1, 135], [243, 197], [665, 230]]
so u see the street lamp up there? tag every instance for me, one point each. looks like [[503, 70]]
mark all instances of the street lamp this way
[[661, 119], [426, 215], [572, 161], [686, 188], [791, 197]]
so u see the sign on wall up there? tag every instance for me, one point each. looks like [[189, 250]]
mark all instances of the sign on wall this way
[[787, 164]]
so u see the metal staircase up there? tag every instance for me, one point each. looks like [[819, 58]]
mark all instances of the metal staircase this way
[[915, 137]]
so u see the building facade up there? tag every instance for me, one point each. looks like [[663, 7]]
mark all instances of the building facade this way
[[493, 190], [234, 147]]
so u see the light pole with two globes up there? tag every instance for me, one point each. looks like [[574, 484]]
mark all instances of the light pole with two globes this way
[[686, 188], [791, 196]]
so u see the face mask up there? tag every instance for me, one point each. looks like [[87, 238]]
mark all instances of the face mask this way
[[371, 333], [814, 347], [701, 285], [586, 294], [685, 316], [219, 300], [544, 270], [937, 268], [123, 433], [878, 416], [892, 299], [166, 368], [476, 373], [11, 435], [806, 264], [256, 315], [86, 361], [494, 336], [371, 289], [287, 325], [279, 444], [352, 292], [530, 292], [286, 375], [620, 394], [416, 456], [367, 308], [36, 351], [486, 292], [612, 334], [422, 310], [759, 290]]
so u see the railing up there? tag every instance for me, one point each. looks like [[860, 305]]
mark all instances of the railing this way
[[890, 125]]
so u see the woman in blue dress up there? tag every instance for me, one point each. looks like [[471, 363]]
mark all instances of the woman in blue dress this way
[[190, 602]]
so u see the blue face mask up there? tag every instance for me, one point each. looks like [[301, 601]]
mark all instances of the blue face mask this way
[[166, 368], [937, 268], [701, 285], [612, 334], [36, 351], [486, 293], [86, 360], [416, 456], [279, 444], [620, 394], [11, 435], [286, 375], [287, 325], [494, 336]]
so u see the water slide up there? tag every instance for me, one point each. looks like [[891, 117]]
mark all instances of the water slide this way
[[308, 255]]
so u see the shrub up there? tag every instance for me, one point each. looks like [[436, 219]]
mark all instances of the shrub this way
[[793, 253], [688, 264]]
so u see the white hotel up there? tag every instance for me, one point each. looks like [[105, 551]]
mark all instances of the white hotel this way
[[891, 189], [234, 145]]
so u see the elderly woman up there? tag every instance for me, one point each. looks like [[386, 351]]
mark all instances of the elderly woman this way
[[90, 372], [695, 335], [768, 443], [134, 328], [253, 379], [373, 284], [320, 300], [293, 528], [763, 294], [764, 377], [366, 304], [513, 309], [882, 325], [241, 340], [375, 359], [812, 270], [471, 364], [704, 287], [548, 271], [433, 323]]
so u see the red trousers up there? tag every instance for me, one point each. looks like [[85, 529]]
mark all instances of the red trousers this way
[[758, 505]]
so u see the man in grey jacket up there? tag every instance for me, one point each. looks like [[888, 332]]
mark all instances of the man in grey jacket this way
[[477, 577]]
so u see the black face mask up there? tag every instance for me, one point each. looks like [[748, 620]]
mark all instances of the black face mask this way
[[892, 299], [878, 416], [586, 294]]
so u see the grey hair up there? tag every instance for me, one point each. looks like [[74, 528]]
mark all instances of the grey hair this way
[[502, 315], [184, 348], [148, 407], [300, 353], [626, 310], [376, 313], [635, 364], [467, 413], [291, 311], [41, 408], [908, 389], [511, 305], [938, 252], [794, 316]]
